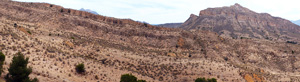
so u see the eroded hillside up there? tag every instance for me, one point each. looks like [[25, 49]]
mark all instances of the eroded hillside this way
[[56, 39]]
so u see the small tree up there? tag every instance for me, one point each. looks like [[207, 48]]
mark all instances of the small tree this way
[[18, 71], [2, 58], [80, 68]]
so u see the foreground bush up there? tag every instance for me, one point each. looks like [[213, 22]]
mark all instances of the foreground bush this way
[[2, 58], [18, 71], [205, 80], [130, 78]]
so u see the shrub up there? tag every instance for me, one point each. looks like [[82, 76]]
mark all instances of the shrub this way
[[212, 80], [291, 42], [200, 80], [80, 68], [145, 24], [96, 77], [18, 71], [2, 58], [128, 78], [29, 32], [15, 25], [204, 80]]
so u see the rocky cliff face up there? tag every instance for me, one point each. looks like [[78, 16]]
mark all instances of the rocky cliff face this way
[[239, 22]]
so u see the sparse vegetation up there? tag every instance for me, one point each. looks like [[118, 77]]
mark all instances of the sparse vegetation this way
[[96, 77], [291, 42], [18, 70], [226, 58], [205, 80], [130, 78], [2, 58], [80, 68], [15, 25], [29, 32]]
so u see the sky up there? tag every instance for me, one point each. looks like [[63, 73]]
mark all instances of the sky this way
[[174, 11]]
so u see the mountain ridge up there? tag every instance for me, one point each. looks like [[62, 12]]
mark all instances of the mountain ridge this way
[[170, 25], [90, 11], [296, 22]]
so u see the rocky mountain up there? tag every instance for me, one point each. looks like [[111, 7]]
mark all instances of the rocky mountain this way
[[297, 22], [239, 22], [56, 39], [170, 25], [90, 11]]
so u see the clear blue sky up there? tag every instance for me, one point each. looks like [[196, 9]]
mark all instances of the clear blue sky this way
[[167, 11]]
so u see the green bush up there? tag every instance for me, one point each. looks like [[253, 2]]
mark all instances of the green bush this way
[[141, 81], [2, 58], [29, 32], [200, 80], [80, 68], [18, 71], [212, 80], [130, 78], [205, 80]]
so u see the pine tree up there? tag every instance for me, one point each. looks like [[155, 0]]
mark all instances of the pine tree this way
[[18, 70], [2, 58]]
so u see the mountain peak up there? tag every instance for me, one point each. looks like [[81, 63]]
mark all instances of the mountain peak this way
[[193, 15], [237, 5], [233, 9], [240, 8], [237, 21]]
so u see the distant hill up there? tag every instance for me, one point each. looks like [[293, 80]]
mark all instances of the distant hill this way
[[170, 25], [297, 22], [90, 11]]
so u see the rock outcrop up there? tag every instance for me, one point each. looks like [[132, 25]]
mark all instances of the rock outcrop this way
[[239, 22]]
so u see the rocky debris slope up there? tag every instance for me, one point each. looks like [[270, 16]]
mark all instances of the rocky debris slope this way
[[56, 40], [239, 22]]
